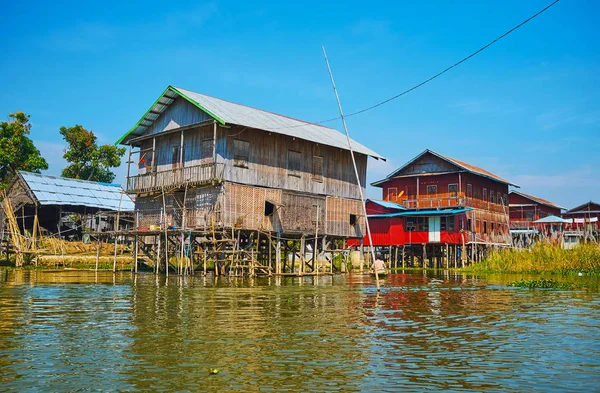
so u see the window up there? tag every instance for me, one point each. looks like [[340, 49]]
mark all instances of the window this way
[[269, 208], [505, 200], [469, 191], [468, 224], [317, 168], [447, 224], [485, 195], [353, 219], [410, 226], [450, 224], [392, 194], [431, 190], [492, 197], [175, 150], [241, 151], [206, 151], [453, 190], [461, 224], [492, 228], [422, 224], [294, 163], [485, 227]]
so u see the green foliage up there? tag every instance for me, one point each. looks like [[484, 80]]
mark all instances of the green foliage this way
[[542, 283], [543, 258], [88, 161], [17, 151]]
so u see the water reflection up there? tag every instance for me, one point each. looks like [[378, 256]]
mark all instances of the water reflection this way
[[72, 331]]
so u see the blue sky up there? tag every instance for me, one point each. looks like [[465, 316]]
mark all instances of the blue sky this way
[[526, 108]]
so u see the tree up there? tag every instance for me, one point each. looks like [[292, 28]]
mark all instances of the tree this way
[[88, 161], [17, 151]]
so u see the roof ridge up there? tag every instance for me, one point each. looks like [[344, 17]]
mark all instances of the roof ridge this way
[[257, 109]]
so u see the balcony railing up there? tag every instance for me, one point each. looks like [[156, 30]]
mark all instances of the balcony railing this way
[[433, 203], [178, 177]]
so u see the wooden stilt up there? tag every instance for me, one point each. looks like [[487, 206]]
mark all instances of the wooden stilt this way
[[278, 256], [165, 225], [137, 250], [98, 247], [204, 261]]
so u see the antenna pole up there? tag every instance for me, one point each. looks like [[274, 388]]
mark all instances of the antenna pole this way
[[362, 197]]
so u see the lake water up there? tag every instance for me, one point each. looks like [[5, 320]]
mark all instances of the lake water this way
[[79, 331]]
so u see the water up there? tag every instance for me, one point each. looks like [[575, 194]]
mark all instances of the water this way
[[79, 332]]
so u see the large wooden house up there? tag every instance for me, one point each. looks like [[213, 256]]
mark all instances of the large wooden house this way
[[525, 209], [223, 166], [443, 202]]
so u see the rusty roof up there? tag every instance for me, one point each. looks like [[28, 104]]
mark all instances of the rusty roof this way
[[460, 164], [538, 200]]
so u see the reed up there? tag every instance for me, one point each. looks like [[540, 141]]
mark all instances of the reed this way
[[542, 258]]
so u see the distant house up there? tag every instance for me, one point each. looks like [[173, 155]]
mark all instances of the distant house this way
[[223, 166], [442, 201], [525, 209], [49, 203], [585, 218]]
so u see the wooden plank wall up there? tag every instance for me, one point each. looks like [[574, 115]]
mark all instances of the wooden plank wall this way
[[268, 164], [180, 113]]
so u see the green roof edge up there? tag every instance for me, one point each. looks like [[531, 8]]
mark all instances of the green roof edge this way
[[176, 91]]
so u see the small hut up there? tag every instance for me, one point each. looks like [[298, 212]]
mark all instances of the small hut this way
[[52, 205]]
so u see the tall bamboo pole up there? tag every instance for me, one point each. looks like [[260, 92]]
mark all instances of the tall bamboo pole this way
[[362, 199]]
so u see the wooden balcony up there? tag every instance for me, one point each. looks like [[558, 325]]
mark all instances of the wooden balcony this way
[[433, 203], [192, 176]]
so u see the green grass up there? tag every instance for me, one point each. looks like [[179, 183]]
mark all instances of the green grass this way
[[542, 258]]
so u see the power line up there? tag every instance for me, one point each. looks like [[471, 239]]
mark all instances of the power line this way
[[436, 75]]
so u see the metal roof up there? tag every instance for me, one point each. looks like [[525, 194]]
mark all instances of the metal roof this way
[[460, 164], [226, 112], [387, 204], [447, 212], [552, 220], [54, 190]]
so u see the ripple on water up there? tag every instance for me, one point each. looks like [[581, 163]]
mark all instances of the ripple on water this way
[[83, 332]]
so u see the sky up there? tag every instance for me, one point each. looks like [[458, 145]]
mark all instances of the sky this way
[[527, 108]]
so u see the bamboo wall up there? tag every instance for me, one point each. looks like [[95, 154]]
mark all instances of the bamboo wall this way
[[240, 206]]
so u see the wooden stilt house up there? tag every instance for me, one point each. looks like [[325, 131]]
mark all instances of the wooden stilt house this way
[[208, 165]]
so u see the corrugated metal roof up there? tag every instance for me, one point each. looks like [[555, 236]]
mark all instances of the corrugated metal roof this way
[[461, 164], [54, 190], [537, 199], [552, 220], [387, 204], [226, 112], [446, 212]]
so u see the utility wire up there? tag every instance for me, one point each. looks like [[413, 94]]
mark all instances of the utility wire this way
[[434, 76]]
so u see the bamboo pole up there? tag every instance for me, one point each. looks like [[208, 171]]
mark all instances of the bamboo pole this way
[[117, 229], [315, 254], [362, 199], [165, 231]]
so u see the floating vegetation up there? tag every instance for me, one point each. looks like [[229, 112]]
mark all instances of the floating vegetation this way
[[543, 283]]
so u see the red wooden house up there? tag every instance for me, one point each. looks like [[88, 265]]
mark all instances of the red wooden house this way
[[585, 218], [525, 209], [441, 202]]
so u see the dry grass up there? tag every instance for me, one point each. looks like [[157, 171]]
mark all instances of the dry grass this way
[[543, 258]]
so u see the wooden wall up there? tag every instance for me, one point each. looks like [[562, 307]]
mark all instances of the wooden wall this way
[[180, 113], [269, 164]]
